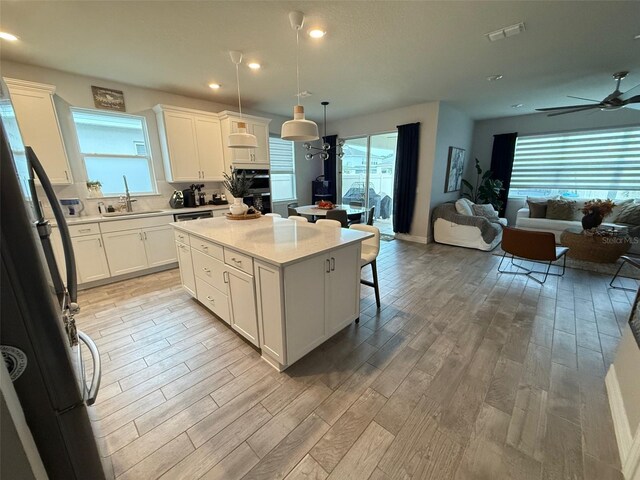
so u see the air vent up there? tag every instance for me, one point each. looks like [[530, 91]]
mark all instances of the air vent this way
[[505, 32]]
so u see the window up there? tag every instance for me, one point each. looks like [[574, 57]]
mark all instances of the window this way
[[113, 145], [587, 164], [283, 170]]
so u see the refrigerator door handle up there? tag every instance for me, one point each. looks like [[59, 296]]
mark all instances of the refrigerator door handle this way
[[97, 367]]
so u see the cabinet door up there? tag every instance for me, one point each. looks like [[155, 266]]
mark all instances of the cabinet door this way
[[186, 268], [305, 305], [270, 301], [209, 144], [159, 245], [38, 121], [181, 144], [91, 262], [343, 295], [125, 251], [261, 154], [242, 295], [241, 155]]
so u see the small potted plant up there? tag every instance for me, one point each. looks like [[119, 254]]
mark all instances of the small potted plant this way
[[238, 185], [95, 188], [595, 211]]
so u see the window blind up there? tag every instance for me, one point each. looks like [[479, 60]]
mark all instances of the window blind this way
[[281, 155], [586, 160]]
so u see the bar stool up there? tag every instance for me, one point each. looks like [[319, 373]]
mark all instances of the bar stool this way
[[323, 222], [276, 215], [368, 256], [298, 218]]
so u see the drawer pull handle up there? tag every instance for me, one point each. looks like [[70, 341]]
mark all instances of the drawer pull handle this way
[[212, 300], [206, 270], [225, 276], [333, 264], [328, 266], [100, 243], [204, 247], [180, 237], [84, 230], [238, 262]]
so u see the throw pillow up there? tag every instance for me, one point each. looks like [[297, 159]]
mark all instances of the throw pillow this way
[[463, 207], [537, 209], [561, 209], [617, 210], [486, 211], [630, 214]]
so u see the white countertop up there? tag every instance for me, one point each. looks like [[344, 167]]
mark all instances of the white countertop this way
[[275, 240], [156, 213]]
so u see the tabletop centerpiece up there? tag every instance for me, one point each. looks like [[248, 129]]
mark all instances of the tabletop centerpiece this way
[[595, 211], [238, 185]]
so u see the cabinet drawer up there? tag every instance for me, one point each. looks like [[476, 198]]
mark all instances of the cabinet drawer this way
[[213, 299], [83, 230], [207, 247], [209, 269], [238, 260], [181, 236]]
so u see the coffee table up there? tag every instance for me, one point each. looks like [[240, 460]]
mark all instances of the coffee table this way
[[594, 247]]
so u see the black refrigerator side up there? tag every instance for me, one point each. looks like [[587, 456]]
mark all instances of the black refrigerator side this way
[[35, 344]]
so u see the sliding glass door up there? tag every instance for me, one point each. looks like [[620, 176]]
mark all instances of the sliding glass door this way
[[366, 175]]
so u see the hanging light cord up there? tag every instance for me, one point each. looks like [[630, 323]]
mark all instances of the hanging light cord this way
[[238, 83], [298, 61]]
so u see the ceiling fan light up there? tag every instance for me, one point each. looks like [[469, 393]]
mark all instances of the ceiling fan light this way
[[299, 129], [242, 139]]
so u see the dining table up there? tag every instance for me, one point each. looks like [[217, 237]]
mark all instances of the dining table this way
[[314, 210]]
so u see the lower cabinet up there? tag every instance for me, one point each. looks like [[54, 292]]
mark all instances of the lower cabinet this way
[[213, 299], [186, 268], [242, 297], [158, 245], [133, 250], [91, 261]]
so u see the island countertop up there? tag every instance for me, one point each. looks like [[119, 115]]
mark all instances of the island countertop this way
[[275, 240]]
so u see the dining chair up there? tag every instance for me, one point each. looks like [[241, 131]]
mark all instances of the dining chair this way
[[339, 215], [368, 256], [293, 205], [292, 212], [371, 215], [323, 222], [276, 215], [298, 218]]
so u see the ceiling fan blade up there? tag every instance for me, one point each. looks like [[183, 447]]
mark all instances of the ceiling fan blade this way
[[582, 98], [590, 107], [569, 107], [629, 93]]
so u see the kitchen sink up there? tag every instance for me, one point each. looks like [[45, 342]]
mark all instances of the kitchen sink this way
[[124, 214]]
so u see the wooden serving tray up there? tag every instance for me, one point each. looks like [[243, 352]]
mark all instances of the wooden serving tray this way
[[244, 216]]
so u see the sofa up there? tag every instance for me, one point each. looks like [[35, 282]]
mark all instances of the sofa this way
[[470, 231], [558, 226]]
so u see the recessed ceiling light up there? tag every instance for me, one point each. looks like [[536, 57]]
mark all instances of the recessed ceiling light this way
[[493, 78], [317, 33], [8, 36], [214, 86], [517, 105], [254, 66]]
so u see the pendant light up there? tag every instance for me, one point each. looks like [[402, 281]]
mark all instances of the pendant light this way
[[299, 129], [240, 139]]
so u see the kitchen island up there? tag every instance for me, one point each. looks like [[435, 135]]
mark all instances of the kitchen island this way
[[285, 286]]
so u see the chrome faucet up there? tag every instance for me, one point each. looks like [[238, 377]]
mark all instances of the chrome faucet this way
[[128, 200]]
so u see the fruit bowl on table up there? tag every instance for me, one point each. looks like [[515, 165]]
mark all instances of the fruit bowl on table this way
[[325, 205]]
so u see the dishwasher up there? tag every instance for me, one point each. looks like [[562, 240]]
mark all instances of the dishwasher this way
[[185, 217]]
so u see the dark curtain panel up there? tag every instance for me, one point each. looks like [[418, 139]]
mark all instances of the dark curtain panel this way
[[504, 147], [406, 177], [330, 169]]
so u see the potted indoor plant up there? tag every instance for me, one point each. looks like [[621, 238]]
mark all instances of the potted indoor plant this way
[[238, 185], [95, 188], [486, 189], [595, 211]]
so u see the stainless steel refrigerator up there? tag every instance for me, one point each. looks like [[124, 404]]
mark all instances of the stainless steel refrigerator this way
[[40, 344]]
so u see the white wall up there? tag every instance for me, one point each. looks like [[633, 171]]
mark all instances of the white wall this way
[[455, 129], [539, 123], [75, 91], [427, 115]]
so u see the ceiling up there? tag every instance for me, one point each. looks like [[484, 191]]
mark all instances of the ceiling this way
[[375, 56]]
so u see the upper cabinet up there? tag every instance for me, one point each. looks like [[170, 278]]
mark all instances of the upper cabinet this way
[[38, 121], [245, 157], [191, 144]]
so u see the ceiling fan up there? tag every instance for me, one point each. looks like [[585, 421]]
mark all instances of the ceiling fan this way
[[613, 101]]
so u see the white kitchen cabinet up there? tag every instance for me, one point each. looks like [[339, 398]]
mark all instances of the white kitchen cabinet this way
[[343, 301], [91, 261], [40, 128], [159, 245], [270, 310], [191, 144], [187, 277], [125, 251], [242, 299], [246, 157]]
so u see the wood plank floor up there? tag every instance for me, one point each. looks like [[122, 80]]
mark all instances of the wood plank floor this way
[[462, 374]]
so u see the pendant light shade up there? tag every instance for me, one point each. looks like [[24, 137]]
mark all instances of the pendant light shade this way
[[299, 129], [240, 139]]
